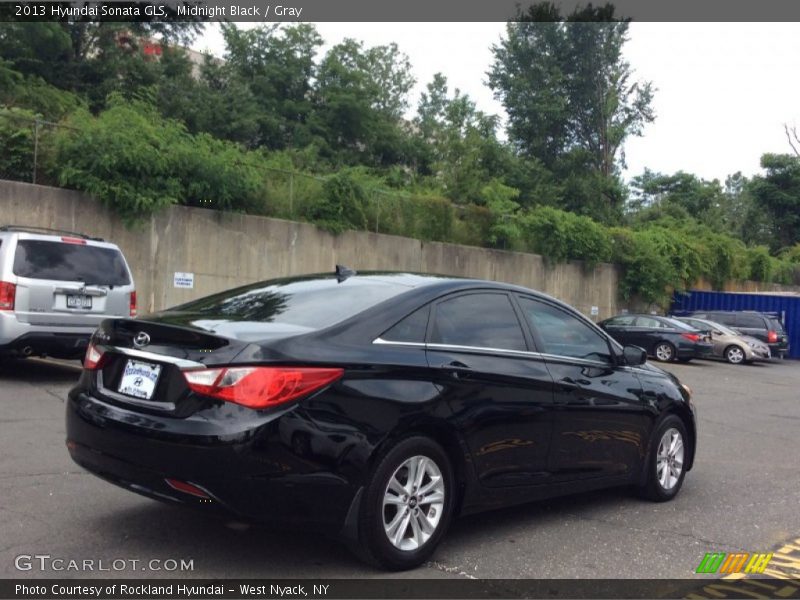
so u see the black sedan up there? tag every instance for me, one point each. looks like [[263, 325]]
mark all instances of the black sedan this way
[[374, 407], [663, 338]]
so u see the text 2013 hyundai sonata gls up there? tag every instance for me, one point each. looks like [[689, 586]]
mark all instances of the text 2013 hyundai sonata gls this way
[[376, 407]]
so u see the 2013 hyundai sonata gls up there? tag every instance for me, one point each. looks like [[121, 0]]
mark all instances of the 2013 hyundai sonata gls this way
[[376, 407]]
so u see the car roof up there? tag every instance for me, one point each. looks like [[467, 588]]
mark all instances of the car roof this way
[[96, 242], [418, 280], [46, 231]]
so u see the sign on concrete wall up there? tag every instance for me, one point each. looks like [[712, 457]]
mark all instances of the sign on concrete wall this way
[[183, 280]]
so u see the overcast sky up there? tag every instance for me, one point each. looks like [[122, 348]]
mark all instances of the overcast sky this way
[[724, 90]]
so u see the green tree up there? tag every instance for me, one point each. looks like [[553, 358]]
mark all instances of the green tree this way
[[457, 144], [214, 99], [777, 193], [93, 59], [570, 99], [277, 64], [360, 97]]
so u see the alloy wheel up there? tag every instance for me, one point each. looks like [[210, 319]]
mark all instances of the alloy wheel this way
[[669, 459], [413, 503], [664, 352], [735, 355]]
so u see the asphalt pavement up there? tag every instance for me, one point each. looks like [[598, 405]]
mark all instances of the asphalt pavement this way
[[742, 495]]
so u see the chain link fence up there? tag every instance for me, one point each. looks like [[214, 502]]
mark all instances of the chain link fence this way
[[27, 148]]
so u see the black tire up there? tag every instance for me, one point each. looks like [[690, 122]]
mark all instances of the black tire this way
[[664, 352], [735, 355], [375, 545], [653, 489]]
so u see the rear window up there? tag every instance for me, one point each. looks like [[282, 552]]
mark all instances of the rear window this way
[[680, 324], [41, 259], [776, 325], [309, 303]]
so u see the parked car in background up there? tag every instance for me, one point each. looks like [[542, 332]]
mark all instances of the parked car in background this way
[[376, 407], [763, 326], [663, 338], [729, 344], [56, 287]]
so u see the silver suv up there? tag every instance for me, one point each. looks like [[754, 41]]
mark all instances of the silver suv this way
[[56, 287]]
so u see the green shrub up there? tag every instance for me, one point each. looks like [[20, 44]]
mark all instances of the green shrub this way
[[343, 204], [505, 230], [558, 236], [16, 143], [727, 260], [646, 271], [137, 162], [685, 251], [761, 266]]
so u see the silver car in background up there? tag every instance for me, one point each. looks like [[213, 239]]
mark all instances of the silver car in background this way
[[55, 288], [729, 344]]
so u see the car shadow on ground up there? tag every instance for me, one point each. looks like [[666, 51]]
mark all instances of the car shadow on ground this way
[[224, 546], [520, 516]]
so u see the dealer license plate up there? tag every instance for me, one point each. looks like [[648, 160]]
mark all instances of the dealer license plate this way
[[139, 379]]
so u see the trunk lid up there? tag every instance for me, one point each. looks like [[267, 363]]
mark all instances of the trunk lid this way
[[143, 362]]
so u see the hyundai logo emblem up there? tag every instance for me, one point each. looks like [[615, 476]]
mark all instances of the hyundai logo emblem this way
[[141, 340]]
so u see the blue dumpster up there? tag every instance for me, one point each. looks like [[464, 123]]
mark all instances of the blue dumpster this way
[[785, 305]]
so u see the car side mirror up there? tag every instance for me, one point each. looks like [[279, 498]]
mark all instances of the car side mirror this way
[[634, 356]]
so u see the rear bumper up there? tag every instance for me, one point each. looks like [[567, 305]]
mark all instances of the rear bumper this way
[[58, 344], [779, 350], [250, 473]]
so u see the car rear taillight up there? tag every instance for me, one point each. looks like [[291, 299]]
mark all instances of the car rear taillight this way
[[94, 358], [772, 337], [133, 303], [691, 336], [8, 293], [260, 387]]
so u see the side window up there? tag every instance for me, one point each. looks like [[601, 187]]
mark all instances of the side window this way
[[562, 333], [623, 321], [483, 320], [649, 322], [411, 329], [725, 319], [754, 321]]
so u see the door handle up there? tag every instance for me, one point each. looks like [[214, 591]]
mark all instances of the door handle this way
[[457, 369], [567, 384]]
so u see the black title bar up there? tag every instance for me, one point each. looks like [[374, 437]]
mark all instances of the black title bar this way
[[270, 11], [335, 589]]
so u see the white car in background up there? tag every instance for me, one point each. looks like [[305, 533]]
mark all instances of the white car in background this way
[[55, 288]]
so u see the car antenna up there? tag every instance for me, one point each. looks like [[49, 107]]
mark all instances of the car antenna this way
[[343, 273]]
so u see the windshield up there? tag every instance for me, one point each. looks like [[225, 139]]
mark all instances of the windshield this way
[[41, 259], [720, 327]]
